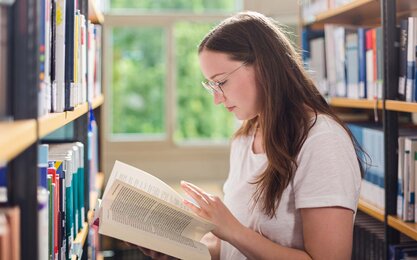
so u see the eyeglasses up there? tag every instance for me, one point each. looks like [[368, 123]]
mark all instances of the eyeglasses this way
[[216, 86]]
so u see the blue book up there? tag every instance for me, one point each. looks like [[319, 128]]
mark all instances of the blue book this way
[[362, 62], [3, 184]]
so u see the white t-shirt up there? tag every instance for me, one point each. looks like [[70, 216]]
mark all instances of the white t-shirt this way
[[328, 174]]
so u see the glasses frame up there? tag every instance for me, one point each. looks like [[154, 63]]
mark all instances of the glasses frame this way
[[215, 86]]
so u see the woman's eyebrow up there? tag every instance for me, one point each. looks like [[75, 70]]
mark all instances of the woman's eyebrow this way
[[216, 75]]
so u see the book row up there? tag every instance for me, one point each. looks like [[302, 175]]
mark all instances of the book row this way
[[371, 139], [61, 195], [311, 8], [369, 241], [347, 61], [68, 56]]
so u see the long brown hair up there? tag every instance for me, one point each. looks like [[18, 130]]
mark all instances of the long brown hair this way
[[286, 91]]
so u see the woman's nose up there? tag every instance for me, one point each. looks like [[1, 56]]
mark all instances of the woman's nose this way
[[218, 97]]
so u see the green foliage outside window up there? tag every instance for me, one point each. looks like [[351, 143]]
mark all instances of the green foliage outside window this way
[[140, 71], [138, 89], [197, 115], [195, 6]]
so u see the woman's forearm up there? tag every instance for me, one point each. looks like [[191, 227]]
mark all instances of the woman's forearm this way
[[213, 244], [254, 246]]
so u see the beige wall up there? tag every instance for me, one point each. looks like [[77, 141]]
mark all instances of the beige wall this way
[[172, 163], [284, 10]]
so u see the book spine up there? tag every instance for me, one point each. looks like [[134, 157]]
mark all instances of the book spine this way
[[403, 59]]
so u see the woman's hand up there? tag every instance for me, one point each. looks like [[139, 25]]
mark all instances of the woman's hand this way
[[211, 207], [155, 255]]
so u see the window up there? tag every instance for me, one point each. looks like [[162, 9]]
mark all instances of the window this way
[[155, 91], [193, 6], [138, 82]]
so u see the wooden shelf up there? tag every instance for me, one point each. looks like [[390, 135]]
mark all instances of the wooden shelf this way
[[356, 12], [98, 101], [409, 229], [406, 8], [53, 121], [360, 12], [371, 210], [94, 15], [79, 241], [401, 106], [15, 137], [354, 103]]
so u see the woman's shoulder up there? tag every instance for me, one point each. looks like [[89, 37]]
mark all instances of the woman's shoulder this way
[[326, 124]]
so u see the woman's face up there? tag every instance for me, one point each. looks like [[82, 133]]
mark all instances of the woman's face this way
[[240, 95]]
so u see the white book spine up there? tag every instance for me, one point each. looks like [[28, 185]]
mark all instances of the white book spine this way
[[60, 56]]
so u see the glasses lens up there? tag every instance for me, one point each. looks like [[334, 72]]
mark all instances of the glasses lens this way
[[207, 87]]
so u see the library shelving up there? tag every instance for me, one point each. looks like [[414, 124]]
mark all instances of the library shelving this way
[[355, 103], [53, 121], [386, 14], [352, 13], [15, 137], [81, 237], [363, 12], [23, 130], [409, 229], [371, 210], [400, 106]]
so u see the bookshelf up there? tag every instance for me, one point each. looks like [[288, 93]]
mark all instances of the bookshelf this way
[[363, 12], [386, 14], [355, 103], [355, 12], [15, 137], [79, 242], [20, 138], [409, 229], [371, 210], [81, 237], [400, 106], [53, 121]]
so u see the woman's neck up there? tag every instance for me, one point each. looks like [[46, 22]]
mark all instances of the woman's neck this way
[[258, 144]]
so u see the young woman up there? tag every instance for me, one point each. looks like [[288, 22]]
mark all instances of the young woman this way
[[294, 179]]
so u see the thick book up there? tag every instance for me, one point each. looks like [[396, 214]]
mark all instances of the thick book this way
[[141, 209]]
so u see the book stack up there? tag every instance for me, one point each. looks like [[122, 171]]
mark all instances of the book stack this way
[[61, 168], [70, 45]]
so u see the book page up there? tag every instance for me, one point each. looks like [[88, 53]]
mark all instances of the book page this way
[[138, 209], [145, 182], [133, 215]]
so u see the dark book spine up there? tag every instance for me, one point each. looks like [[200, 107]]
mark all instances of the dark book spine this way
[[403, 59], [69, 53]]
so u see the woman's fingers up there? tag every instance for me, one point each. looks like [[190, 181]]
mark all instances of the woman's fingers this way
[[145, 250], [195, 187], [154, 254], [196, 193], [193, 207]]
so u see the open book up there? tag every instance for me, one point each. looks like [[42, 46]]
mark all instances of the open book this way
[[141, 209]]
